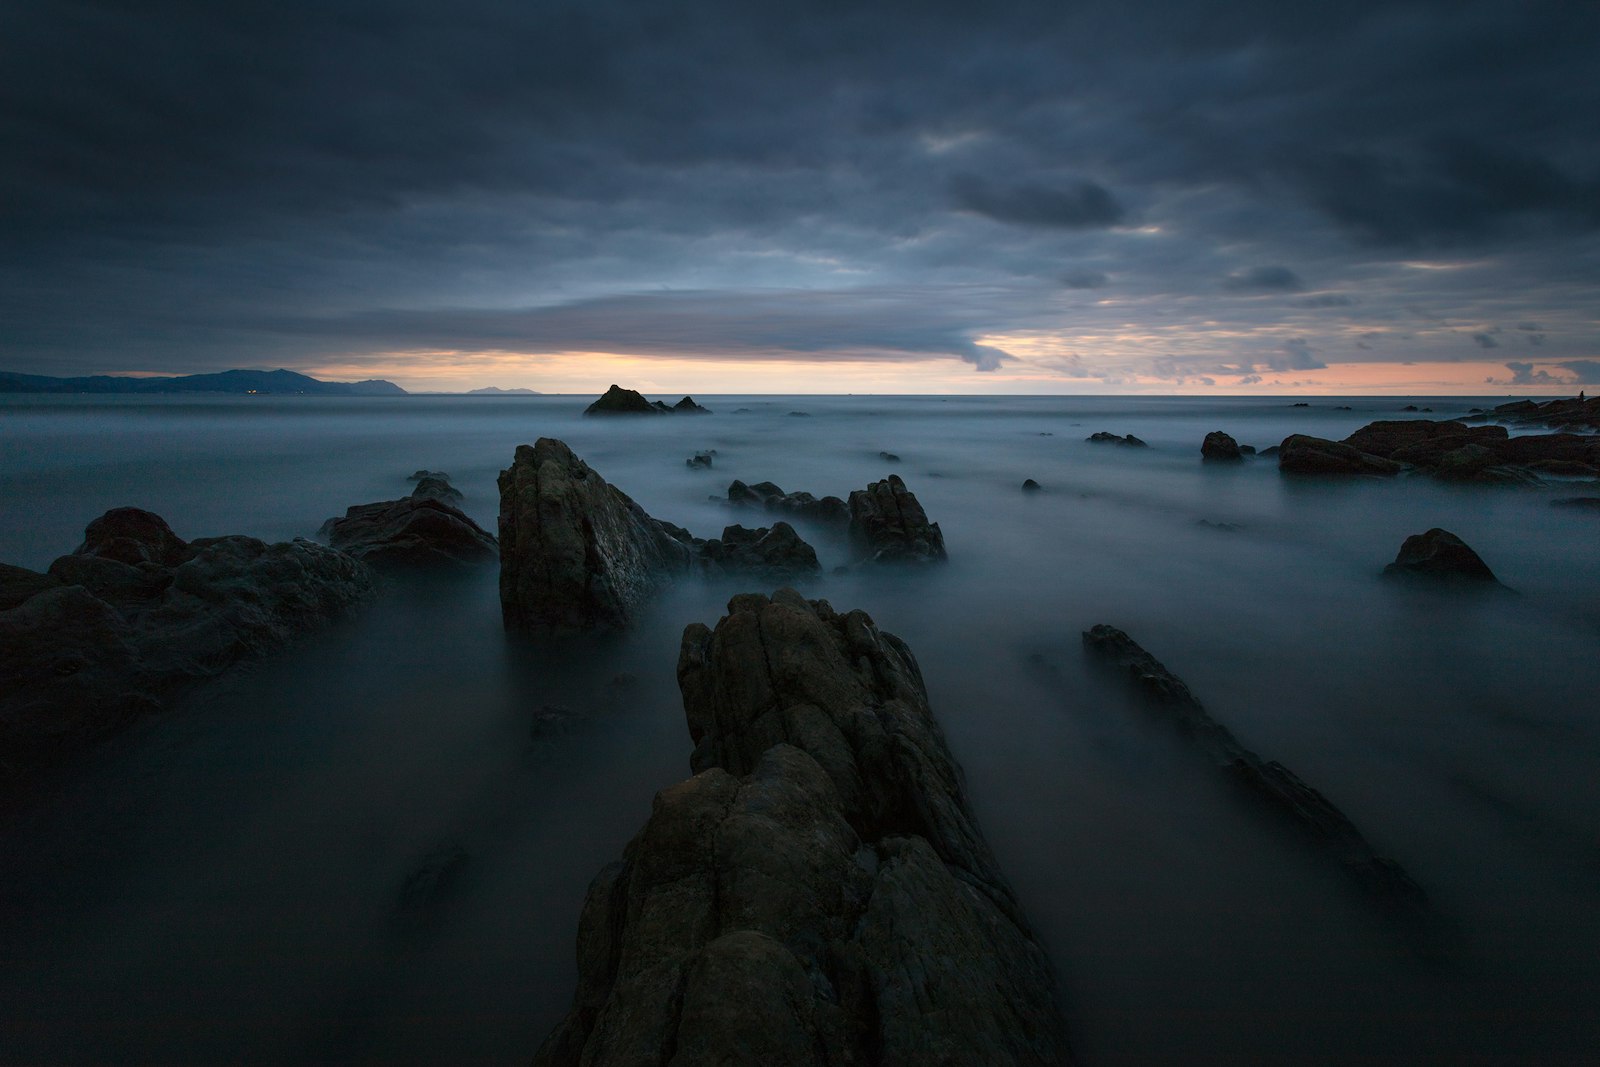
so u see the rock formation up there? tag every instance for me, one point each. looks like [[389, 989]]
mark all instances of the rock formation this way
[[889, 526], [1219, 446], [1448, 450], [1106, 438], [1439, 555], [576, 553], [775, 553], [425, 529], [620, 401], [827, 511], [1284, 793], [1300, 454], [1566, 413], [136, 614], [818, 894]]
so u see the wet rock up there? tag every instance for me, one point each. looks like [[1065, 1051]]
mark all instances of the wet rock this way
[[1300, 404], [620, 401], [417, 476], [687, 406], [1247, 450], [1300, 454], [1031, 486], [1566, 413], [1106, 438], [826, 511], [419, 531], [1455, 451], [576, 553], [800, 414], [819, 893], [1411, 407], [1420, 441], [888, 457], [1578, 503], [888, 525], [776, 553], [438, 487], [1282, 791], [106, 640], [700, 461], [1220, 447], [1224, 527], [18, 584], [1271, 450], [1439, 555]]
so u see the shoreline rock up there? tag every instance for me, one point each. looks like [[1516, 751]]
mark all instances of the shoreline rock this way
[[1220, 447], [620, 401], [1440, 556], [135, 615], [425, 529], [818, 893]]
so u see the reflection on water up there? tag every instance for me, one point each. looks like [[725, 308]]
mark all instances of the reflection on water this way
[[362, 848]]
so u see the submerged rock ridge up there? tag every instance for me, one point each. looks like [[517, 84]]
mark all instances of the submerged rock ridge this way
[[1384, 880], [136, 613], [576, 553], [889, 526], [818, 894], [425, 529]]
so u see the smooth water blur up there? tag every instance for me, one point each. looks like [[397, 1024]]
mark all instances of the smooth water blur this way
[[238, 879]]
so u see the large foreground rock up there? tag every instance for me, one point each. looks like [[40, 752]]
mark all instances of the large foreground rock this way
[[889, 526], [1282, 791], [136, 614], [425, 529], [576, 553], [819, 893]]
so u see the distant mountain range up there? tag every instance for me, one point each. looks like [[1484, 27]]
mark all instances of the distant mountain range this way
[[275, 382], [495, 390]]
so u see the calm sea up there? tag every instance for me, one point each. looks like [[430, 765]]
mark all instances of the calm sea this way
[[359, 850]]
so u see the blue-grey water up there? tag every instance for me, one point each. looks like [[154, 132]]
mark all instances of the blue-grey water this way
[[227, 882]]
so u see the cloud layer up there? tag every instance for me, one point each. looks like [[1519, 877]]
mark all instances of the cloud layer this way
[[1091, 193]]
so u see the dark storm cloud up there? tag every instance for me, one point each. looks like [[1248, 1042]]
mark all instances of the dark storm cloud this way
[[1072, 206], [180, 179], [1263, 280]]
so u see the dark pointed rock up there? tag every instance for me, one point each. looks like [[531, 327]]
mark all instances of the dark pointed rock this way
[[620, 401], [576, 553], [687, 406], [700, 461], [819, 893], [775, 553], [888, 525], [438, 487], [1031, 486]]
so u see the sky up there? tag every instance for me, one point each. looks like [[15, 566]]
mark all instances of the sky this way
[[709, 196]]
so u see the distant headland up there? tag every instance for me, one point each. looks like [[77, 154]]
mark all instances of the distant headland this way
[[275, 382]]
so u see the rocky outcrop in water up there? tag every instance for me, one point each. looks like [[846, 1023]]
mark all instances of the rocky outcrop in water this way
[[1567, 413], [135, 614], [620, 401], [1219, 446], [774, 553], [818, 893], [576, 553], [1577, 503], [1300, 454], [1448, 450], [425, 529], [888, 525], [1439, 556], [1105, 437], [825, 511], [1284, 794]]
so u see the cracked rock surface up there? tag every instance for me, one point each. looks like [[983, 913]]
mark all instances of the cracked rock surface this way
[[818, 893], [889, 526]]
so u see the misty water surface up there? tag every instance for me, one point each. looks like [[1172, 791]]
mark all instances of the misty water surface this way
[[359, 850]]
